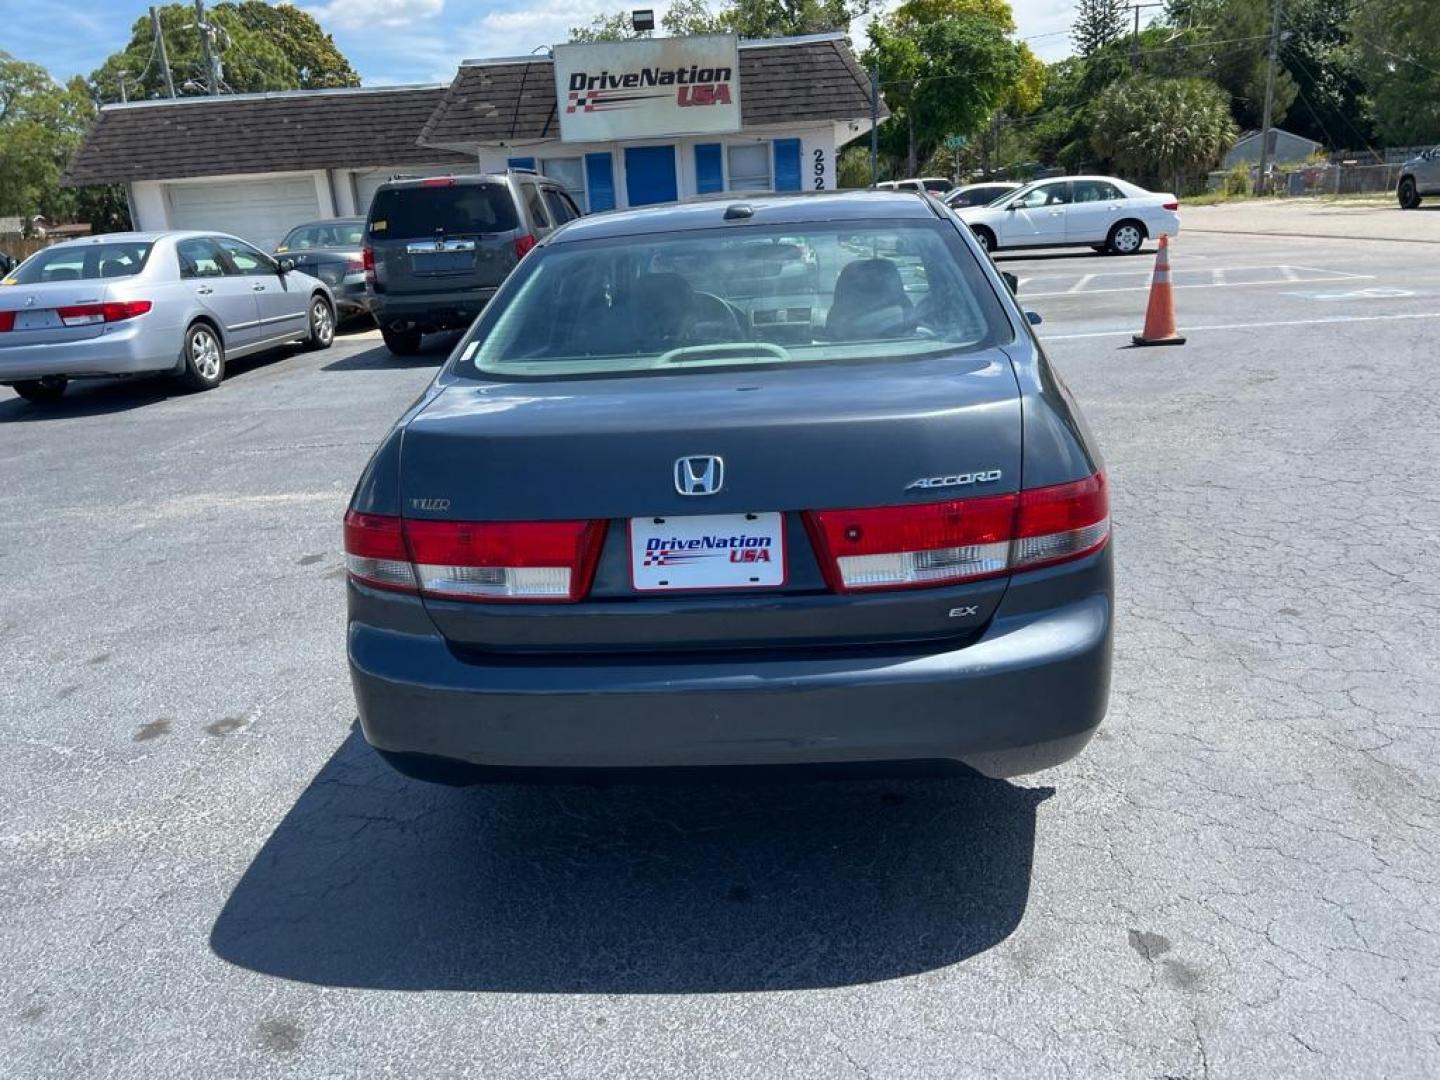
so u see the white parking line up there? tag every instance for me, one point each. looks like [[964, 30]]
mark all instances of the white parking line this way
[[1130, 331], [1219, 278]]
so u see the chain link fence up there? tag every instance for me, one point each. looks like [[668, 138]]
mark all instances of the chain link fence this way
[[1317, 179]]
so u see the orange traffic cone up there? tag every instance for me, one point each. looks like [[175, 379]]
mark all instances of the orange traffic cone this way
[[1160, 312]]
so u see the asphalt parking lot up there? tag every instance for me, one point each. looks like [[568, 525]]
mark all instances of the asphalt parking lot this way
[[205, 872]]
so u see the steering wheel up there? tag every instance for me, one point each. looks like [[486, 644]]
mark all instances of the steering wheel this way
[[708, 310]]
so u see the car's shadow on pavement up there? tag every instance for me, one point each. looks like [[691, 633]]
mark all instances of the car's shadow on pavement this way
[[102, 397], [375, 881], [434, 351]]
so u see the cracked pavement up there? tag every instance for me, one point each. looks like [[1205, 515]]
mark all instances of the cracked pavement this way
[[205, 872]]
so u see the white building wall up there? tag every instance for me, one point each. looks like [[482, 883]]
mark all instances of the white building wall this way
[[813, 138], [147, 204]]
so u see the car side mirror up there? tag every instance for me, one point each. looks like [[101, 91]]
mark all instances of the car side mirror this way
[[1033, 318], [1012, 281], [286, 265]]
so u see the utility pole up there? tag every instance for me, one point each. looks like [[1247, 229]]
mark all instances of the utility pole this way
[[874, 123], [164, 56], [1269, 101], [212, 64], [1135, 41]]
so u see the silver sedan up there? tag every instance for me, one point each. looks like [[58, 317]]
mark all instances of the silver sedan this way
[[140, 303]]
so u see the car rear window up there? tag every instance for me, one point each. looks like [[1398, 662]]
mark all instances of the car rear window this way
[[711, 298], [83, 262], [452, 209], [328, 235]]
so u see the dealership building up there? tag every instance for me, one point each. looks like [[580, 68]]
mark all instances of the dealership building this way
[[618, 123]]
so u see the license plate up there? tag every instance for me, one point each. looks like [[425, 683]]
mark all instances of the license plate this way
[[36, 320], [715, 551]]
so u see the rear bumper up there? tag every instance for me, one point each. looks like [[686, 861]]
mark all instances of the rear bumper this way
[[350, 296], [126, 350], [1027, 695], [429, 311]]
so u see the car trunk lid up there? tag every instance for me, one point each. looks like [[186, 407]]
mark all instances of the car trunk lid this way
[[52, 312], [790, 441]]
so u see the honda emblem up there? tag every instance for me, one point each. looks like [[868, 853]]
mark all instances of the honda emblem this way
[[702, 474]]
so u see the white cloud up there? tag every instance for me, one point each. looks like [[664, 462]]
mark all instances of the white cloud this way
[[368, 14]]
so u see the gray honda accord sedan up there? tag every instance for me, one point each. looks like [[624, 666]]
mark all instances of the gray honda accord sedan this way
[[780, 482]]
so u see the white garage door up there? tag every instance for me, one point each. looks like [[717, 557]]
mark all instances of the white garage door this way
[[261, 211], [366, 182]]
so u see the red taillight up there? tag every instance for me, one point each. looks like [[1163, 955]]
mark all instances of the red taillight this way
[[475, 560], [367, 262], [1061, 522], [1170, 206], [354, 264], [438, 181], [7, 321], [906, 547], [375, 551], [517, 560], [109, 312], [524, 245]]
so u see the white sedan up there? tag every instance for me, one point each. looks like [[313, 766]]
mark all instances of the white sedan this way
[[1063, 211]]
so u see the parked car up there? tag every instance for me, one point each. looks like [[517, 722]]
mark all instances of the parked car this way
[[7, 263], [331, 251], [1419, 177], [1075, 211], [436, 249], [140, 303], [982, 194], [936, 185], [648, 518]]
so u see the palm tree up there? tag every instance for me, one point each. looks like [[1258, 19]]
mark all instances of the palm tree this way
[[1163, 127]]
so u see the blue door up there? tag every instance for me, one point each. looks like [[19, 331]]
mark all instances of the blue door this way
[[650, 175], [600, 182]]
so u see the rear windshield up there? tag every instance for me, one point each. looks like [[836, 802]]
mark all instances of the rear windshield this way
[[714, 298], [449, 208], [334, 234], [83, 262]]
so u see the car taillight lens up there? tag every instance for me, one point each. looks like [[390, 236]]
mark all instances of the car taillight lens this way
[[906, 547], [109, 312], [7, 321], [1170, 206], [367, 262], [375, 551], [438, 181], [532, 560], [524, 245], [475, 560], [354, 264], [897, 547], [1063, 522]]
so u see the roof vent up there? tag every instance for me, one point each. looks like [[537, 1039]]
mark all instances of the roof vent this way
[[739, 212]]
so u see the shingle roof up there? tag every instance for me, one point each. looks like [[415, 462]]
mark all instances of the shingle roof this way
[[252, 133], [816, 78], [784, 81]]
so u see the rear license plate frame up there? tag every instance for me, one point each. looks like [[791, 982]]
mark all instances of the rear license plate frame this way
[[687, 574]]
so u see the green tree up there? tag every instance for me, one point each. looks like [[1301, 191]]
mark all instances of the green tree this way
[[41, 125], [1316, 52], [1396, 46], [260, 47], [1168, 128], [747, 18], [1097, 23], [946, 67], [1226, 41]]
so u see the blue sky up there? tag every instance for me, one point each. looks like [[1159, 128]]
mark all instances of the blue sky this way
[[392, 41]]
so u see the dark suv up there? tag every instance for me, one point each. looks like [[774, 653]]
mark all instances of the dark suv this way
[[436, 249]]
